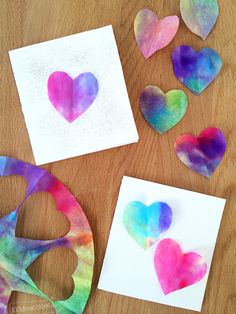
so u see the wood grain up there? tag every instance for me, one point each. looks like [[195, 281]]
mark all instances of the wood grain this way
[[95, 179]]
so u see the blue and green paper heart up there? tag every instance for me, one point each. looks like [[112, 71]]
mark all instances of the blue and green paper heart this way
[[146, 223], [196, 69], [162, 111]]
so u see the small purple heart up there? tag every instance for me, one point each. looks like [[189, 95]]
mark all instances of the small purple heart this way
[[72, 97], [203, 153]]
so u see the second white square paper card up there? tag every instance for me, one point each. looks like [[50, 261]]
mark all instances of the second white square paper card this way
[[73, 95], [161, 244]]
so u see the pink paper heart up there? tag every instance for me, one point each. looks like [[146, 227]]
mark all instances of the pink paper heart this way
[[72, 97], [176, 270], [152, 34]]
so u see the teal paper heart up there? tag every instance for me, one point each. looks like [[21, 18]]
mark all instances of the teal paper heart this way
[[163, 111], [199, 15], [146, 223]]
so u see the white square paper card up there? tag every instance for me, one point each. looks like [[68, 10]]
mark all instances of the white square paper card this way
[[73, 95], [161, 244]]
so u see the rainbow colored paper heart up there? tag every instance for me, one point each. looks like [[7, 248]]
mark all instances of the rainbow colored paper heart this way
[[204, 153], [152, 34], [196, 70], [176, 270], [200, 16], [72, 97], [162, 111], [146, 223]]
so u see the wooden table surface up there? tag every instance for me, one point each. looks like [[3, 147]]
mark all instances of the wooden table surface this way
[[95, 179]]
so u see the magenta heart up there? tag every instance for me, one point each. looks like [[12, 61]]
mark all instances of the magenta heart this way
[[72, 97], [152, 34], [176, 270]]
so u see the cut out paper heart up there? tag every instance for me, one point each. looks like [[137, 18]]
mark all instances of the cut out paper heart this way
[[145, 224], [204, 153], [200, 16], [196, 70], [72, 97], [176, 270], [162, 111], [152, 34]]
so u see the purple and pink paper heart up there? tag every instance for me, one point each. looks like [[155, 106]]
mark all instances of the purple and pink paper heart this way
[[176, 270], [203, 153], [153, 34], [72, 97]]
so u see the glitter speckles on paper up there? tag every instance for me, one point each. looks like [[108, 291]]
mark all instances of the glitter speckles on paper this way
[[199, 15], [162, 111], [203, 153], [176, 270], [146, 223], [72, 97], [196, 70], [152, 34]]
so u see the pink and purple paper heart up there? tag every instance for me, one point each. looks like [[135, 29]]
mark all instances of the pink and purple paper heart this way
[[176, 270], [202, 154], [196, 70], [145, 223], [153, 34], [72, 97], [162, 111], [200, 16]]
